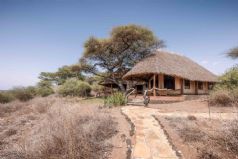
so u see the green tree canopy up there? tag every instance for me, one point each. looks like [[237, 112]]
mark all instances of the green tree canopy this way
[[233, 53], [112, 57], [44, 84], [62, 74], [229, 80]]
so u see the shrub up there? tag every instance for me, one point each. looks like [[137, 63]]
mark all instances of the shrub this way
[[229, 79], [116, 99], [45, 91], [44, 88], [24, 93], [6, 97], [191, 117], [73, 87], [226, 91], [220, 97], [97, 89]]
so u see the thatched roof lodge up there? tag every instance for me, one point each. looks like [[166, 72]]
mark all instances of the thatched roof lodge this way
[[171, 73]]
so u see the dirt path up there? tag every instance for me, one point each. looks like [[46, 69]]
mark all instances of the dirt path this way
[[151, 142]]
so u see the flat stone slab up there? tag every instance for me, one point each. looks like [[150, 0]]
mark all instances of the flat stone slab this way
[[151, 142]]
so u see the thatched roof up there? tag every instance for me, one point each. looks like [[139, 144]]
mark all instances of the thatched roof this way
[[171, 64]]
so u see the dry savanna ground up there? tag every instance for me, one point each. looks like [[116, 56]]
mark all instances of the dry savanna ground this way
[[71, 128], [54, 127], [198, 135]]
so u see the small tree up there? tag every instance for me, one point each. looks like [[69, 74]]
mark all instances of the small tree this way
[[112, 57], [62, 74]]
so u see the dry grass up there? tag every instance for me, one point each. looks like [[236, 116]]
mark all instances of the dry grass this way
[[191, 134], [216, 139], [56, 128], [228, 137], [6, 109], [11, 132]]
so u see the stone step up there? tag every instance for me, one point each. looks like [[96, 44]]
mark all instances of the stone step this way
[[136, 100], [136, 103]]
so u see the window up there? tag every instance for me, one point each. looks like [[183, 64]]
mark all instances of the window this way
[[187, 84], [210, 85], [200, 85]]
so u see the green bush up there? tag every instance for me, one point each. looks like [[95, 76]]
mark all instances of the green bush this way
[[229, 80], [45, 91], [24, 93], [96, 87], [6, 97], [116, 99], [225, 92], [74, 87], [44, 88]]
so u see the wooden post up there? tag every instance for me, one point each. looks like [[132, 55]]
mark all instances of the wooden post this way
[[161, 81], [154, 80], [182, 85], [196, 87], [206, 87], [158, 81], [149, 87]]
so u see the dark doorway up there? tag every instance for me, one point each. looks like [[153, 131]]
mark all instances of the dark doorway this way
[[157, 82], [139, 89], [151, 83], [169, 82]]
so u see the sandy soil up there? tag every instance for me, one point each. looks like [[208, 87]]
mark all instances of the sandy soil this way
[[192, 106]]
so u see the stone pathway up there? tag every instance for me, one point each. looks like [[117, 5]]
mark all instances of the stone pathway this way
[[151, 142]]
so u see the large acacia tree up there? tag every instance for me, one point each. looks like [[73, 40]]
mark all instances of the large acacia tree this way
[[112, 57]]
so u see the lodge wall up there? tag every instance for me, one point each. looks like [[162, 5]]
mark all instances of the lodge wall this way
[[195, 87]]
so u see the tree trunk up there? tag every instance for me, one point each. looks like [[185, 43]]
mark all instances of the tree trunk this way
[[121, 86]]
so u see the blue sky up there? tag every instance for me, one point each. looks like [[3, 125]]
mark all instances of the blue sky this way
[[40, 35]]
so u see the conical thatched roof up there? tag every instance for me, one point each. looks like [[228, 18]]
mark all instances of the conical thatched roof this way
[[171, 64]]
